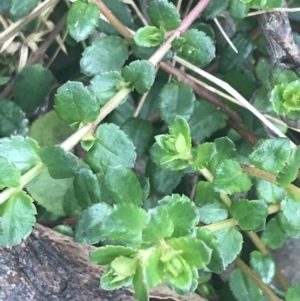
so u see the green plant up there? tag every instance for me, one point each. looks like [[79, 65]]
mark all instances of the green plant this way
[[146, 233]]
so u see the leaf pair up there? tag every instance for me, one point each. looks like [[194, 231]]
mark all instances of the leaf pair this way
[[164, 17]]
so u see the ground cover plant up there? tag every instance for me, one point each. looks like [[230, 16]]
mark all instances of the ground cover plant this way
[[152, 135]]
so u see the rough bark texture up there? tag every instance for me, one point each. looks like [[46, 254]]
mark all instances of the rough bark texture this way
[[279, 38], [48, 266]]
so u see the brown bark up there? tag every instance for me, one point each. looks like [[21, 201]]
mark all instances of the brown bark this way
[[279, 38], [48, 266]]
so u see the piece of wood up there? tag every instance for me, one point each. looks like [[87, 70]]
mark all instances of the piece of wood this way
[[49, 266], [279, 38]]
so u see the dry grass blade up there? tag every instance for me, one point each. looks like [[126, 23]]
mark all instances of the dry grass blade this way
[[232, 99], [234, 93], [271, 10], [12, 30], [137, 11], [225, 35]]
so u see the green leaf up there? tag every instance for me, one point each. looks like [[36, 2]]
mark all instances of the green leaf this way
[[140, 132], [111, 148], [88, 228], [277, 100], [22, 152], [279, 75], [70, 203], [49, 192], [271, 154], [75, 103], [64, 230], [124, 266], [211, 207], [149, 36], [120, 226], [122, 113], [106, 54], [286, 227], [87, 188], [19, 9], [123, 185], [163, 13], [243, 287], [166, 159], [4, 79], [176, 99], [82, 19], [291, 211], [111, 281], [230, 178], [250, 214], [216, 264], [17, 219], [204, 153], [196, 253], [180, 126], [182, 283], [289, 172], [230, 242], [61, 164], [154, 268], [31, 87], [183, 213], [205, 120], [263, 266], [140, 74], [273, 4], [158, 225], [48, 130], [229, 58], [162, 181], [293, 292], [12, 119], [106, 85], [174, 148], [269, 192], [195, 47], [139, 285], [10, 176], [214, 8], [238, 10], [225, 150], [273, 237], [105, 255]]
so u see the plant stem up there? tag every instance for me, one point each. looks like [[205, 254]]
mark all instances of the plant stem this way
[[69, 143], [253, 171], [9, 192], [233, 222], [221, 225], [186, 23], [249, 272], [114, 21]]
